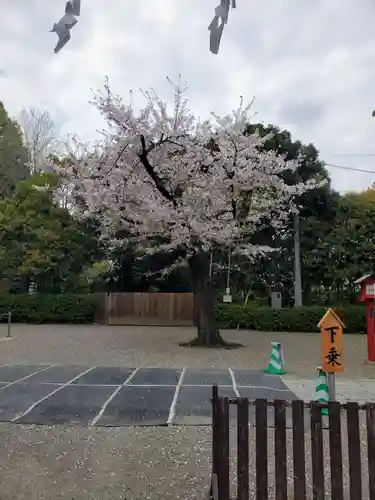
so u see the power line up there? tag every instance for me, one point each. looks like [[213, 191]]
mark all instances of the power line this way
[[350, 168], [352, 154]]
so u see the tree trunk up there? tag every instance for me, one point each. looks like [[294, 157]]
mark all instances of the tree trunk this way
[[207, 331]]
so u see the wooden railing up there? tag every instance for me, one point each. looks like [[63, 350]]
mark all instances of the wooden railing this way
[[221, 424]]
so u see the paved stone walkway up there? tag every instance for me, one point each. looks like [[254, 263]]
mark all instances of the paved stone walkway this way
[[113, 396], [362, 390]]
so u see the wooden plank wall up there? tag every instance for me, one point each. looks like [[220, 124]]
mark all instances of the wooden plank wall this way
[[148, 309]]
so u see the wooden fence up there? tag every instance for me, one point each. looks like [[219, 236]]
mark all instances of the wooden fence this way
[[147, 309], [220, 485]]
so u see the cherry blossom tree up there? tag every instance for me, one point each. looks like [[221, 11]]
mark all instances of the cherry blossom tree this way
[[184, 185]]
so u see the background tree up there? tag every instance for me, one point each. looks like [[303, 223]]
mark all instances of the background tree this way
[[276, 269], [14, 156], [133, 273], [39, 133], [366, 197], [41, 242], [347, 250], [185, 185]]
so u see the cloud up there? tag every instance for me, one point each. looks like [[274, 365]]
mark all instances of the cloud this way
[[311, 65]]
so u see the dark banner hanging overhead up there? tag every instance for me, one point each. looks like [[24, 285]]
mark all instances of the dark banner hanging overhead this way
[[73, 8], [66, 23], [217, 24]]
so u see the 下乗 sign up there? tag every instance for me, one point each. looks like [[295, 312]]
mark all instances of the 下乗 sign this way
[[331, 330]]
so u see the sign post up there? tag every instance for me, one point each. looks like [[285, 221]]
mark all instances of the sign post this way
[[331, 379], [331, 330], [367, 295], [370, 293]]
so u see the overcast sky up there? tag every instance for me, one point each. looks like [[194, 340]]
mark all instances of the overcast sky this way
[[309, 63]]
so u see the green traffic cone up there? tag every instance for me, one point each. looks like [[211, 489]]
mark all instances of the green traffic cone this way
[[276, 364], [321, 390]]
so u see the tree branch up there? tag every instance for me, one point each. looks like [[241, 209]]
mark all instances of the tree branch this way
[[154, 176]]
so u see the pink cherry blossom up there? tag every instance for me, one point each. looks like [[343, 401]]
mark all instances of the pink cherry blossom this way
[[155, 174], [194, 183]]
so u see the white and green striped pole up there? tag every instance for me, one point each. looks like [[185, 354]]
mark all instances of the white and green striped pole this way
[[276, 363], [321, 390]]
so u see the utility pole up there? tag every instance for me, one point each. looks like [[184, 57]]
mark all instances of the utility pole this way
[[229, 269], [228, 296], [210, 268], [297, 264]]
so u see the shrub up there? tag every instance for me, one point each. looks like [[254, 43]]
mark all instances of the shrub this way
[[302, 319], [67, 308], [74, 308]]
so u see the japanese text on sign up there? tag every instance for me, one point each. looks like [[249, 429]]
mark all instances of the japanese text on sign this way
[[331, 328]]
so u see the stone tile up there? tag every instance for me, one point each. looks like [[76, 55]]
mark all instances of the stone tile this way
[[71, 405], [352, 390], [156, 376], [250, 378], [207, 377], [17, 398], [369, 386], [138, 406], [303, 388]]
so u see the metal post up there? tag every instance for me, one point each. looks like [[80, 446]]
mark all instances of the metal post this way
[[210, 268], [331, 381], [229, 264], [9, 323], [297, 264]]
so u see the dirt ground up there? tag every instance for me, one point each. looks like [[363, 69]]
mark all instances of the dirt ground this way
[[136, 346], [153, 463], [76, 463], [70, 463]]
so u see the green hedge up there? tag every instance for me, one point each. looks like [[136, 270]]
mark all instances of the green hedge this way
[[67, 308], [302, 319], [73, 308]]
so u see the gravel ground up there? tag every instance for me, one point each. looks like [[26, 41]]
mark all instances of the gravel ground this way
[[45, 463], [74, 463], [70, 463], [136, 346]]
